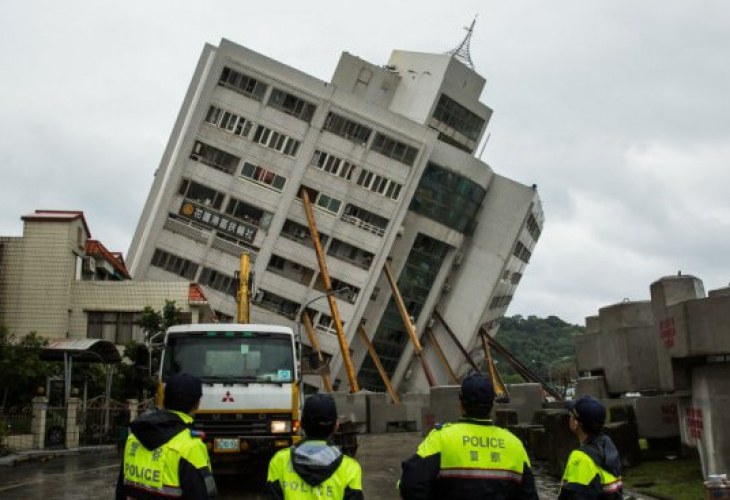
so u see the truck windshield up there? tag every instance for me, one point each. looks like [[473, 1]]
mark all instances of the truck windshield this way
[[230, 359]]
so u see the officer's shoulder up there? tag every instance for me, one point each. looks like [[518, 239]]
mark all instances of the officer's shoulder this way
[[350, 462], [442, 426]]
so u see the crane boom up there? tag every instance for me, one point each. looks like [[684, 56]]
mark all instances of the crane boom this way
[[243, 297]]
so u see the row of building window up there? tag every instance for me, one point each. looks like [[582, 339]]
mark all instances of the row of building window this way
[[215, 158], [243, 84], [369, 180], [347, 129], [219, 281], [522, 253], [379, 184], [352, 214], [458, 117], [448, 198], [256, 89], [276, 141], [117, 327], [174, 264], [243, 211], [262, 176], [231, 122], [303, 275], [200, 193], [533, 227], [304, 110], [500, 301], [241, 126], [228, 163], [394, 149], [333, 164], [292, 105]]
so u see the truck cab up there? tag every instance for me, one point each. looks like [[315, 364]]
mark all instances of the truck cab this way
[[251, 404]]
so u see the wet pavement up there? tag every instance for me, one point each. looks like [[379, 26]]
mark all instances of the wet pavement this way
[[93, 475]]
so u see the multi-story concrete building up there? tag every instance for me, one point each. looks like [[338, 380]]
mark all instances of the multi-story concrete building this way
[[387, 154], [58, 282]]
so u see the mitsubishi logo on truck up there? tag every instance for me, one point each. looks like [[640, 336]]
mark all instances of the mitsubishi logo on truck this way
[[228, 398]]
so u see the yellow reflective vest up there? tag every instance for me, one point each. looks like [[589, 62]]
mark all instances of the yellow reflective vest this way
[[180, 467], [344, 479], [467, 460], [584, 479]]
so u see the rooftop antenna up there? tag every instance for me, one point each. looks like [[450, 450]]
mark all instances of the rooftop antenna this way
[[462, 52]]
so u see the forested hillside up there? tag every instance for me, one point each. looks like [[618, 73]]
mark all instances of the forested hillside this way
[[544, 345]]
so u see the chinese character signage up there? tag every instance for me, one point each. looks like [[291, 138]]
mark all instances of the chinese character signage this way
[[667, 332], [694, 422], [218, 221]]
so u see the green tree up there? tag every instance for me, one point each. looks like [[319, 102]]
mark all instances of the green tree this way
[[21, 369], [146, 357], [155, 323], [545, 345]]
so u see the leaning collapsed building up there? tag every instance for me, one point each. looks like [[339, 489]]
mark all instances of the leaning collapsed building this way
[[387, 154]]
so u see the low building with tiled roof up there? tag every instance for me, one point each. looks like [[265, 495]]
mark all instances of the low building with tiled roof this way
[[57, 281]]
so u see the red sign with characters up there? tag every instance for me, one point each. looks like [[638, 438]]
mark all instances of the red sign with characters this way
[[667, 332], [669, 414], [694, 422]]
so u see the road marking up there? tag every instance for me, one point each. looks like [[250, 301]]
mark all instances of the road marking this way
[[5, 488]]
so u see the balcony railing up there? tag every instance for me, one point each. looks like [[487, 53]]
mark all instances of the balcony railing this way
[[379, 231]]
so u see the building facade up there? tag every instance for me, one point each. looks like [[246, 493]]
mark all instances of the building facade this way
[[58, 282], [387, 155]]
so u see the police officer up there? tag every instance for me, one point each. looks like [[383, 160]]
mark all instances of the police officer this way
[[314, 468], [162, 459], [470, 459], [594, 469]]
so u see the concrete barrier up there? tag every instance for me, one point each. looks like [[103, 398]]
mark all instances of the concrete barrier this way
[[355, 408], [386, 416], [656, 416], [444, 406], [506, 417], [525, 399], [594, 386]]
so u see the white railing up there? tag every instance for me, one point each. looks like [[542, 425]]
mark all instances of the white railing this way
[[363, 225]]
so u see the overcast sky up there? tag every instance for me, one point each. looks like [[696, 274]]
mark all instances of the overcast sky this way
[[618, 110]]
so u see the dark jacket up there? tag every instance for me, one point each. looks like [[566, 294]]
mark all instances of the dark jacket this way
[[469, 459], [155, 430]]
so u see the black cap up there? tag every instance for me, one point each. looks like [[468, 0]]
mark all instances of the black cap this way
[[182, 392], [590, 413], [319, 416], [477, 393]]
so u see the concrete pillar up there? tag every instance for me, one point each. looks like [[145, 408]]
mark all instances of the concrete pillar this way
[[665, 293], [704, 417], [133, 409], [38, 424], [72, 422]]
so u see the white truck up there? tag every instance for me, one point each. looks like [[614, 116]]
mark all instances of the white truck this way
[[251, 403]]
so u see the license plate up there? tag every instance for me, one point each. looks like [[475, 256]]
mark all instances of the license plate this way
[[226, 445]]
